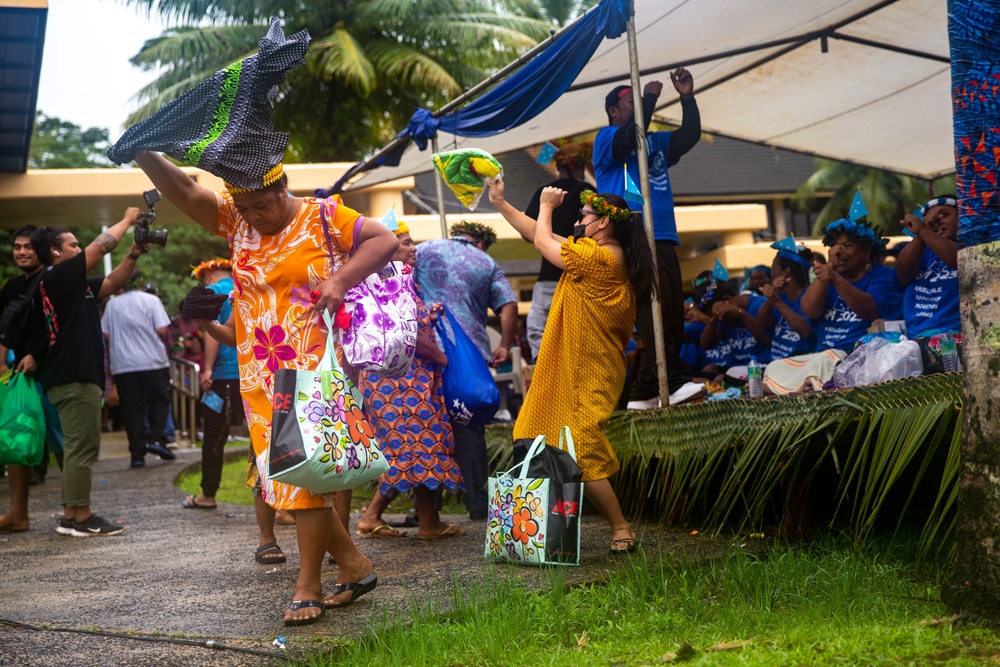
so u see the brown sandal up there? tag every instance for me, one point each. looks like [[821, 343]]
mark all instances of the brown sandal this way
[[269, 554]]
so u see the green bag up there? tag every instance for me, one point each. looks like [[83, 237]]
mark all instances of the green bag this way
[[22, 423]]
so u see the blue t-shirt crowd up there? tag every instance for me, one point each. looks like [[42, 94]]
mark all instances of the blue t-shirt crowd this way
[[802, 304]]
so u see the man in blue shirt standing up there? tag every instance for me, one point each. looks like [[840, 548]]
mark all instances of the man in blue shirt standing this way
[[614, 152], [459, 274]]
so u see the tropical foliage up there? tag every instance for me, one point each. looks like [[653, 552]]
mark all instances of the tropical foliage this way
[[884, 456], [59, 144], [888, 196], [371, 62]]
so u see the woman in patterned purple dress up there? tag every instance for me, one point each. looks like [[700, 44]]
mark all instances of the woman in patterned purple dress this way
[[413, 429]]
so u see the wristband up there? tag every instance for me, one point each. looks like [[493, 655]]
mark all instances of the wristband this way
[[134, 258]]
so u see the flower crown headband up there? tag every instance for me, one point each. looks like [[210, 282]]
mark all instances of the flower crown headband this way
[[475, 230], [859, 230], [600, 206], [208, 266]]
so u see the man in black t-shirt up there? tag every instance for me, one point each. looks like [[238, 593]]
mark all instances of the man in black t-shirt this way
[[572, 160], [72, 372], [26, 361]]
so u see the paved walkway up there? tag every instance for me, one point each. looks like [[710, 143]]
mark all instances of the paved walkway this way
[[191, 575]]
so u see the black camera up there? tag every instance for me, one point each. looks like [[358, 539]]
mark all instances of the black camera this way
[[143, 234]]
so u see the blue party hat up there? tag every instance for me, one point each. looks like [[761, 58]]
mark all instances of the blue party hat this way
[[632, 194], [787, 243], [389, 220], [719, 272], [858, 208]]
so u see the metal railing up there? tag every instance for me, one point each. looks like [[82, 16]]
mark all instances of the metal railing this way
[[185, 389]]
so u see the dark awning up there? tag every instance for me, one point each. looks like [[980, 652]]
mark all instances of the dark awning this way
[[22, 34]]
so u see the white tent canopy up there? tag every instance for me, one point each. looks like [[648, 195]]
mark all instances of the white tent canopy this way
[[879, 95]]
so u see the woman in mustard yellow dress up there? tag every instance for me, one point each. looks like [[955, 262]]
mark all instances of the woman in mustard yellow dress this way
[[580, 371]]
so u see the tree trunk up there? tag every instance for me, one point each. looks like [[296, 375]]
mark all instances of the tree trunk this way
[[973, 588]]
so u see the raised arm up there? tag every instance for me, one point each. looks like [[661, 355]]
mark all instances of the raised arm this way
[[548, 244], [108, 241], [524, 225], [195, 201], [908, 261], [115, 280], [689, 133]]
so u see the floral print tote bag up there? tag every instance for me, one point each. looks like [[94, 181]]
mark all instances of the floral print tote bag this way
[[320, 438], [534, 508]]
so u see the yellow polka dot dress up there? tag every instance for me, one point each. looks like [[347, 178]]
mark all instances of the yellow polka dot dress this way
[[581, 364]]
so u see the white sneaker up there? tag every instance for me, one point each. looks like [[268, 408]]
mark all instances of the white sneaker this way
[[648, 404], [688, 392]]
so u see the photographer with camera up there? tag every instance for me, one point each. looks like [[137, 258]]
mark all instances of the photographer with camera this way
[[72, 371], [135, 330]]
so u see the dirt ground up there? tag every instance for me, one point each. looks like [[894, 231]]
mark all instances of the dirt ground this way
[[190, 575]]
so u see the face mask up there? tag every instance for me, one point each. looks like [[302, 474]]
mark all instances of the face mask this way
[[579, 232]]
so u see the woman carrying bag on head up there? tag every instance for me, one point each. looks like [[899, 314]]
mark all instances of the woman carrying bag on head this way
[[578, 378], [289, 265]]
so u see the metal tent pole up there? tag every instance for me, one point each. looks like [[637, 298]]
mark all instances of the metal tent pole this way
[[647, 209], [439, 186]]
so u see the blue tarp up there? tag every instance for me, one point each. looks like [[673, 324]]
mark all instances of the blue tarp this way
[[522, 96]]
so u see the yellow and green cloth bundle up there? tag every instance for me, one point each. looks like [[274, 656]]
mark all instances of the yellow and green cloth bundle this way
[[467, 171]]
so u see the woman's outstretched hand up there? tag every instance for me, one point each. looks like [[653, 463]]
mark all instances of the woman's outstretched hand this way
[[496, 192]]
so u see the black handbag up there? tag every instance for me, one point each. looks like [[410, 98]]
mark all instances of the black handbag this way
[[16, 317]]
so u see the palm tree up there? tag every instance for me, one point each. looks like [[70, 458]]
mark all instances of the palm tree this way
[[558, 12], [887, 195], [371, 62]]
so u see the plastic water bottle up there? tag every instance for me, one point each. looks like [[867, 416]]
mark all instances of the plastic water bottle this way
[[949, 354], [755, 378]]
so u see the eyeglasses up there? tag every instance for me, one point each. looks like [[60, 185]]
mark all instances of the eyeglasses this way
[[587, 211]]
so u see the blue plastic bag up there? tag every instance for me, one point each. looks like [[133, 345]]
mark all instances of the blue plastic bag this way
[[470, 391]]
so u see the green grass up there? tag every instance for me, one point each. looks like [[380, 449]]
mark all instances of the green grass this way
[[233, 490], [818, 605]]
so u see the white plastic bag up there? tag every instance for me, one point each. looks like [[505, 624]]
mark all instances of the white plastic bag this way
[[879, 361]]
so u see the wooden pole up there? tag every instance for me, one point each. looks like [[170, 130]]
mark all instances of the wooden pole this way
[[439, 186], [647, 209]]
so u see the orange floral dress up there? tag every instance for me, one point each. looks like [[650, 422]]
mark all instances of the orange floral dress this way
[[581, 364], [276, 326]]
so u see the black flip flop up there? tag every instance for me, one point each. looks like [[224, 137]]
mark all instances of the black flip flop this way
[[269, 554], [191, 504], [357, 589], [299, 604]]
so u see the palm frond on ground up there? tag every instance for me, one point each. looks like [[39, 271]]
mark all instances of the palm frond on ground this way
[[888, 454]]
